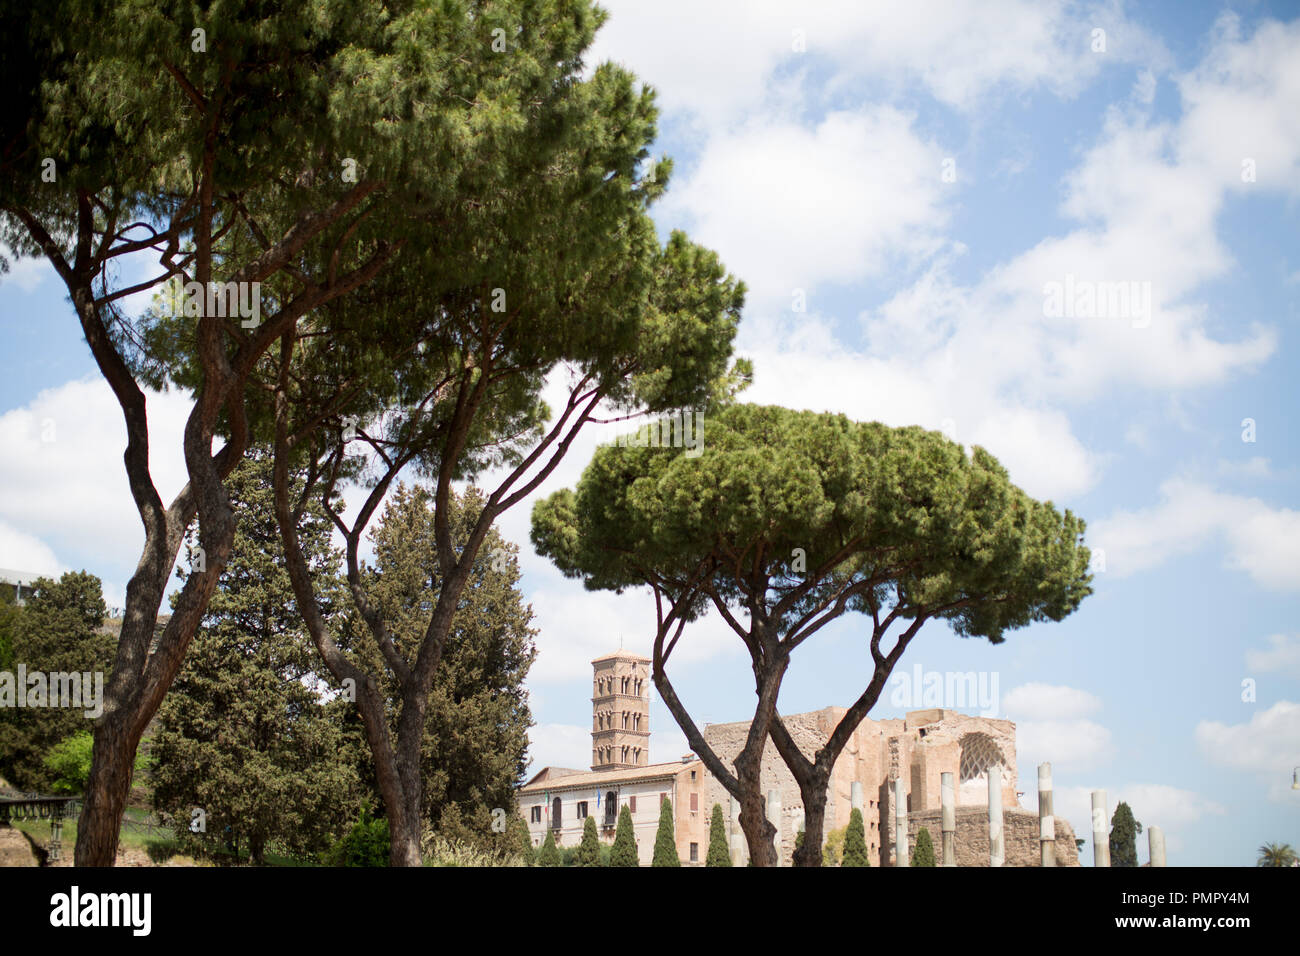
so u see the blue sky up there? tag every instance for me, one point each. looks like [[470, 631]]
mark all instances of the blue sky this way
[[1170, 158]]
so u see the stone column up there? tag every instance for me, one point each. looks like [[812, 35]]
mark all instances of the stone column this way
[[737, 835], [946, 797], [1156, 838], [900, 823], [774, 817], [855, 798], [1100, 837], [997, 852], [1046, 821]]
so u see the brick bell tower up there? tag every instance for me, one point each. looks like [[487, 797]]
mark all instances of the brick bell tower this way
[[620, 711]]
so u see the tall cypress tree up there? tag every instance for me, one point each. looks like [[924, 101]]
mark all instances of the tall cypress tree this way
[[666, 837], [923, 854], [589, 849], [624, 852], [1123, 837], [855, 841], [244, 735], [718, 855]]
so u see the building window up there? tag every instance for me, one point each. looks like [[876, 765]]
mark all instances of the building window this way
[[582, 810], [695, 853], [535, 815], [555, 813], [695, 803], [692, 774], [631, 804], [611, 808], [978, 754]]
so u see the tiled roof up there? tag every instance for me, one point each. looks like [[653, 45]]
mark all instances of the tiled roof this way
[[591, 779], [625, 655]]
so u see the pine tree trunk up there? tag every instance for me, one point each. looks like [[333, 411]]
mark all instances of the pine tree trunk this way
[[100, 823], [814, 823], [760, 834], [404, 825]]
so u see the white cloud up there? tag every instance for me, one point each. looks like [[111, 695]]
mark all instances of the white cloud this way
[[719, 60], [1036, 701], [1242, 101], [1168, 807], [667, 742], [1144, 88], [1051, 726], [577, 625], [1257, 467], [62, 479], [26, 273], [1256, 538], [24, 552], [1281, 657], [559, 745], [792, 207], [804, 367], [1067, 744], [985, 358], [1265, 745]]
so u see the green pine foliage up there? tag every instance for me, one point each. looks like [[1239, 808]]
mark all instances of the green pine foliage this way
[[855, 841], [625, 851], [666, 838], [923, 852], [718, 854], [901, 524], [549, 855], [589, 849]]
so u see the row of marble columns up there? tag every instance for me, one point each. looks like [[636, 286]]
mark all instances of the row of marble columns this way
[[948, 822]]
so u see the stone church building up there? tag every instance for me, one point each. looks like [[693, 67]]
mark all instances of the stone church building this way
[[918, 747]]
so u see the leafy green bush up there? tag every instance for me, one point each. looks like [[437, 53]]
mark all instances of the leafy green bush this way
[[833, 851], [69, 761], [366, 844], [549, 855]]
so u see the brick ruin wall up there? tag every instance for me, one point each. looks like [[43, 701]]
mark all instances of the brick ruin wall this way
[[1019, 837]]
